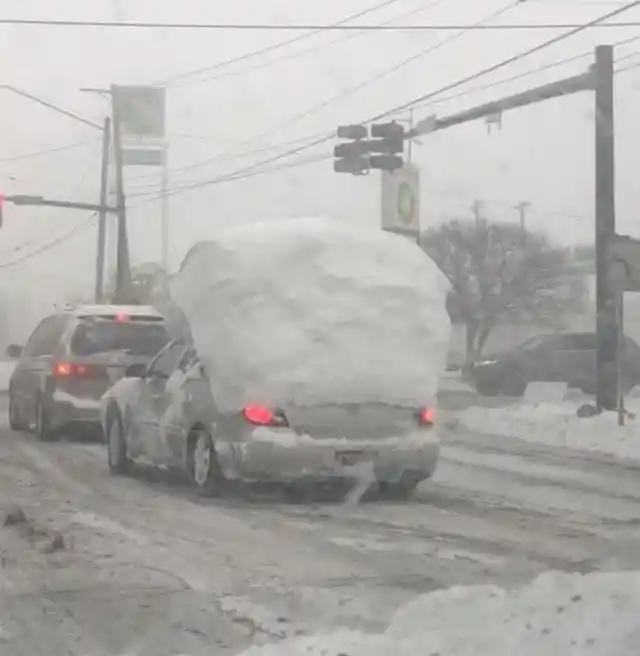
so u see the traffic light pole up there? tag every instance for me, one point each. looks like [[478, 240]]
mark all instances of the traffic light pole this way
[[600, 80]]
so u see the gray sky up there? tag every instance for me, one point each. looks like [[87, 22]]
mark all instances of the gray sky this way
[[543, 154]]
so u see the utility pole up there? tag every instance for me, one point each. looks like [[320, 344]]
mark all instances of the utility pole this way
[[607, 312], [102, 214], [164, 189], [476, 208], [123, 286], [522, 208]]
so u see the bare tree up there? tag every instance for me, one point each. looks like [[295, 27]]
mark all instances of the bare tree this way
[[499, 274]]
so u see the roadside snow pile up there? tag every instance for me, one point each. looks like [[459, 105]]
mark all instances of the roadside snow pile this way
[[557, 424], [568, 614], [307, 311], [6, 369]]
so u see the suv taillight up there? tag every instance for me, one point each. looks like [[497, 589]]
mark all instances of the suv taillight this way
[[427, 417], [260, 415], [74, 370]]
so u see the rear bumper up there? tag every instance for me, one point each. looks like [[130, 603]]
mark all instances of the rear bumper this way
[[281, 455], [66, 410]]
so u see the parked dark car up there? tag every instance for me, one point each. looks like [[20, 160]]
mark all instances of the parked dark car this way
[[72, 358], [560, 358]]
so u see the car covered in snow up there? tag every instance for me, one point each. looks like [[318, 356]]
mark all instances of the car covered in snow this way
[[72, 358], [313, 354]]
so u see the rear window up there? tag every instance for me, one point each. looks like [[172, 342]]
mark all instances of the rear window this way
[[135, 338]]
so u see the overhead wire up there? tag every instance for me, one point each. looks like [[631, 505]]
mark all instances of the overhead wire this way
[[596, 22], [485, 71], [83, 225], [271, 48], [36, 239], [287, 27], [349, 91], [48, 151], [342, 38]]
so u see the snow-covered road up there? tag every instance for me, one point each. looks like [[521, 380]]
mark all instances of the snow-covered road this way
[[147, 567]]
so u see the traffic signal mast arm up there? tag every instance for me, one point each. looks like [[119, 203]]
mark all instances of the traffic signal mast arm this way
[[22, 199]]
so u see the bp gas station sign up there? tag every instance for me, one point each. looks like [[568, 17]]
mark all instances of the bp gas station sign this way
[[401, 201]]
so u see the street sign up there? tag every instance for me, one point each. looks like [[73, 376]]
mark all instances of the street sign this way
[[142, 157], [141, 110], [401, 200]]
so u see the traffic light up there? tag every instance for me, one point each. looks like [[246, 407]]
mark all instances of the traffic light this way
[[389, 142], [382, 152], [352, 156]]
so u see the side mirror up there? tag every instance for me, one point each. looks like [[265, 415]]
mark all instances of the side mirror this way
[[136, 370], [14, 351]]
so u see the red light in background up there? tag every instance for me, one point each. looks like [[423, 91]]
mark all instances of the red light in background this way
[[123, 318]]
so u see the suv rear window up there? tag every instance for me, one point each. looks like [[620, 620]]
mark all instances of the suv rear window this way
[[135, 337]]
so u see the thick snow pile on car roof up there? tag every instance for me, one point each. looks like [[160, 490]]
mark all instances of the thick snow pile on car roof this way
[[307, 311], [568, 614], [557, 424]]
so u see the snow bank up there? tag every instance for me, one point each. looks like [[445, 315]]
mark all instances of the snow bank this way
[[307, 311], [556, 424], [6, 369], [568, 614]]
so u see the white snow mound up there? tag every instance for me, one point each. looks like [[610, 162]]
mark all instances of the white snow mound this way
[[568, 614], [556, 424], [307, 311]]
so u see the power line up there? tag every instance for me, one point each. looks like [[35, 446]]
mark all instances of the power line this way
[[49, 151], [271, 27], [519, 76], [297, 55], [596, 22], [86, 223], [351, 90], [271, 48], [428, 96]]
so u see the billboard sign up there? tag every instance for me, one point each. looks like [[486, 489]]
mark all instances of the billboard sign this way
[[141, 111]]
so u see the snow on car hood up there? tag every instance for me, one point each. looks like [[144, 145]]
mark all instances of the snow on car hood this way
[[307, 311]]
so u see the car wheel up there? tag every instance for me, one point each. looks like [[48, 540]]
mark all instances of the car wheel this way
[[119, 462], [204, 467], [401, 490], [514, 384], [485, 388], [43, 429], [15, 422]]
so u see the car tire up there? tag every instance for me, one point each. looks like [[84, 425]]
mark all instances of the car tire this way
[[119, 462], [514, 384], [15, 423], [204, 468], [43, 429], [485, 388]]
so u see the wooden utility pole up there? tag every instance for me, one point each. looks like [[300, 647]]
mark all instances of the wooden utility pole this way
[[102, 215], [476, 208], [123, 275], [522, 208]]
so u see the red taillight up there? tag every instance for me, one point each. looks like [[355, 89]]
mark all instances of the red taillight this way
[[260, 415], [73, 370], [427, 417]]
